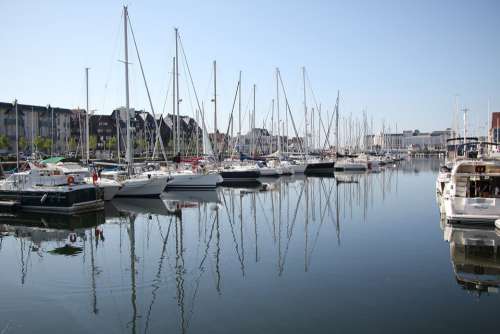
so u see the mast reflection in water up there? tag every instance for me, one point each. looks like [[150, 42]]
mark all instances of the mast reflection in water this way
[[345, 253]]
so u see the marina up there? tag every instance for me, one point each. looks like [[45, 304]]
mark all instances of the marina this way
[[236, 167], [259, 255]]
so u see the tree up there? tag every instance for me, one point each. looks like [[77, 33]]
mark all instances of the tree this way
[[72, 144], [47, 145], [4, 142], [23, 144], [92, 143], [39, 143], [112, 144]]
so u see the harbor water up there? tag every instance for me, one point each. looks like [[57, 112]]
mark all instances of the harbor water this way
[[353, 253]]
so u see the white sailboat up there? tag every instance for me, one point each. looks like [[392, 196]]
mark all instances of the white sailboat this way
[[134, 185]]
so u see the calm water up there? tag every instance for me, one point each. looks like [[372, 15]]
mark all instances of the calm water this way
[[354, 253]]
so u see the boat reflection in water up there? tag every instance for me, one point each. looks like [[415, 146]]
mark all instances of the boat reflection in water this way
[[475, 256], [166, 264]]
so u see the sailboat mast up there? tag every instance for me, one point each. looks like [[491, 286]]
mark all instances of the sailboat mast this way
[[305, 110], [253, 123], [177, 88], [118, 137], [272, 127], [216, 148], [174, 130], [87, 132], [278, 108], [127, 98], [337, 124], [239, 111], [17, 136]]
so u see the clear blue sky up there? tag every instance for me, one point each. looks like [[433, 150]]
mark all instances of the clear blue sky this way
[[403, 61]]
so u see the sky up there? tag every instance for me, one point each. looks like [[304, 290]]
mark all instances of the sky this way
[[404, 62]]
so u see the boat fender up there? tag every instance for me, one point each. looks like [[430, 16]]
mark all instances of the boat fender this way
[[497, 223], [149, 176], [70, 180], [72, 237], [44, 197], [94, 178]]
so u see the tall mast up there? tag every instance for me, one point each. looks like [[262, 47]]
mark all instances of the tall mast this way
[[465, 124], [305, 110], [278, 108], [118, 136], [197, 133], [252, 128], [174, 130], [51, 130], [216, 148], [33, 130], [177, 87], [337, 123], [127, 100], [17, 136], [239, 111], [87, 132], [272, 127]]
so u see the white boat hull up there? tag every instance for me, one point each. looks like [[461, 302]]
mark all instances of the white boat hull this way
[[143, 187], [270, 171], [194, 181], [480, 210]]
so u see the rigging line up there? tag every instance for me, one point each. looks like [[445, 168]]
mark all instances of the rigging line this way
[[232, 232], [290, 233], [166, 95], [188, 88], [226, 142], [289, 110], [202, 112], [157, 280], [110, 67], [317, 108], [315, 241], [147, 88], [189, 71]]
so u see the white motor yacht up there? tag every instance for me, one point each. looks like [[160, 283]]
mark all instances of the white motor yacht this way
[[473, 191]]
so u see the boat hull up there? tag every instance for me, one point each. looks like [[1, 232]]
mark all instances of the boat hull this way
[[320, 168], [472, 210], [61, 202], [240, 175], [143, 187], [194, 181]]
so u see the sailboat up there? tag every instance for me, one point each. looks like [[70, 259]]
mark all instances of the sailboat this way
[[192, 178], [134, 185]]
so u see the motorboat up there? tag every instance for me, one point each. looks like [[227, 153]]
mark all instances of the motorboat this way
[[82, 174], [46, 190], [473, 191]]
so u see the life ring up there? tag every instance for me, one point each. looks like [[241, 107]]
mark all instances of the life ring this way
[[70, 180]]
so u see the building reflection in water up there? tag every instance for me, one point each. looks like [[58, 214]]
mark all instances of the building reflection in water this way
[[186, 241]]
